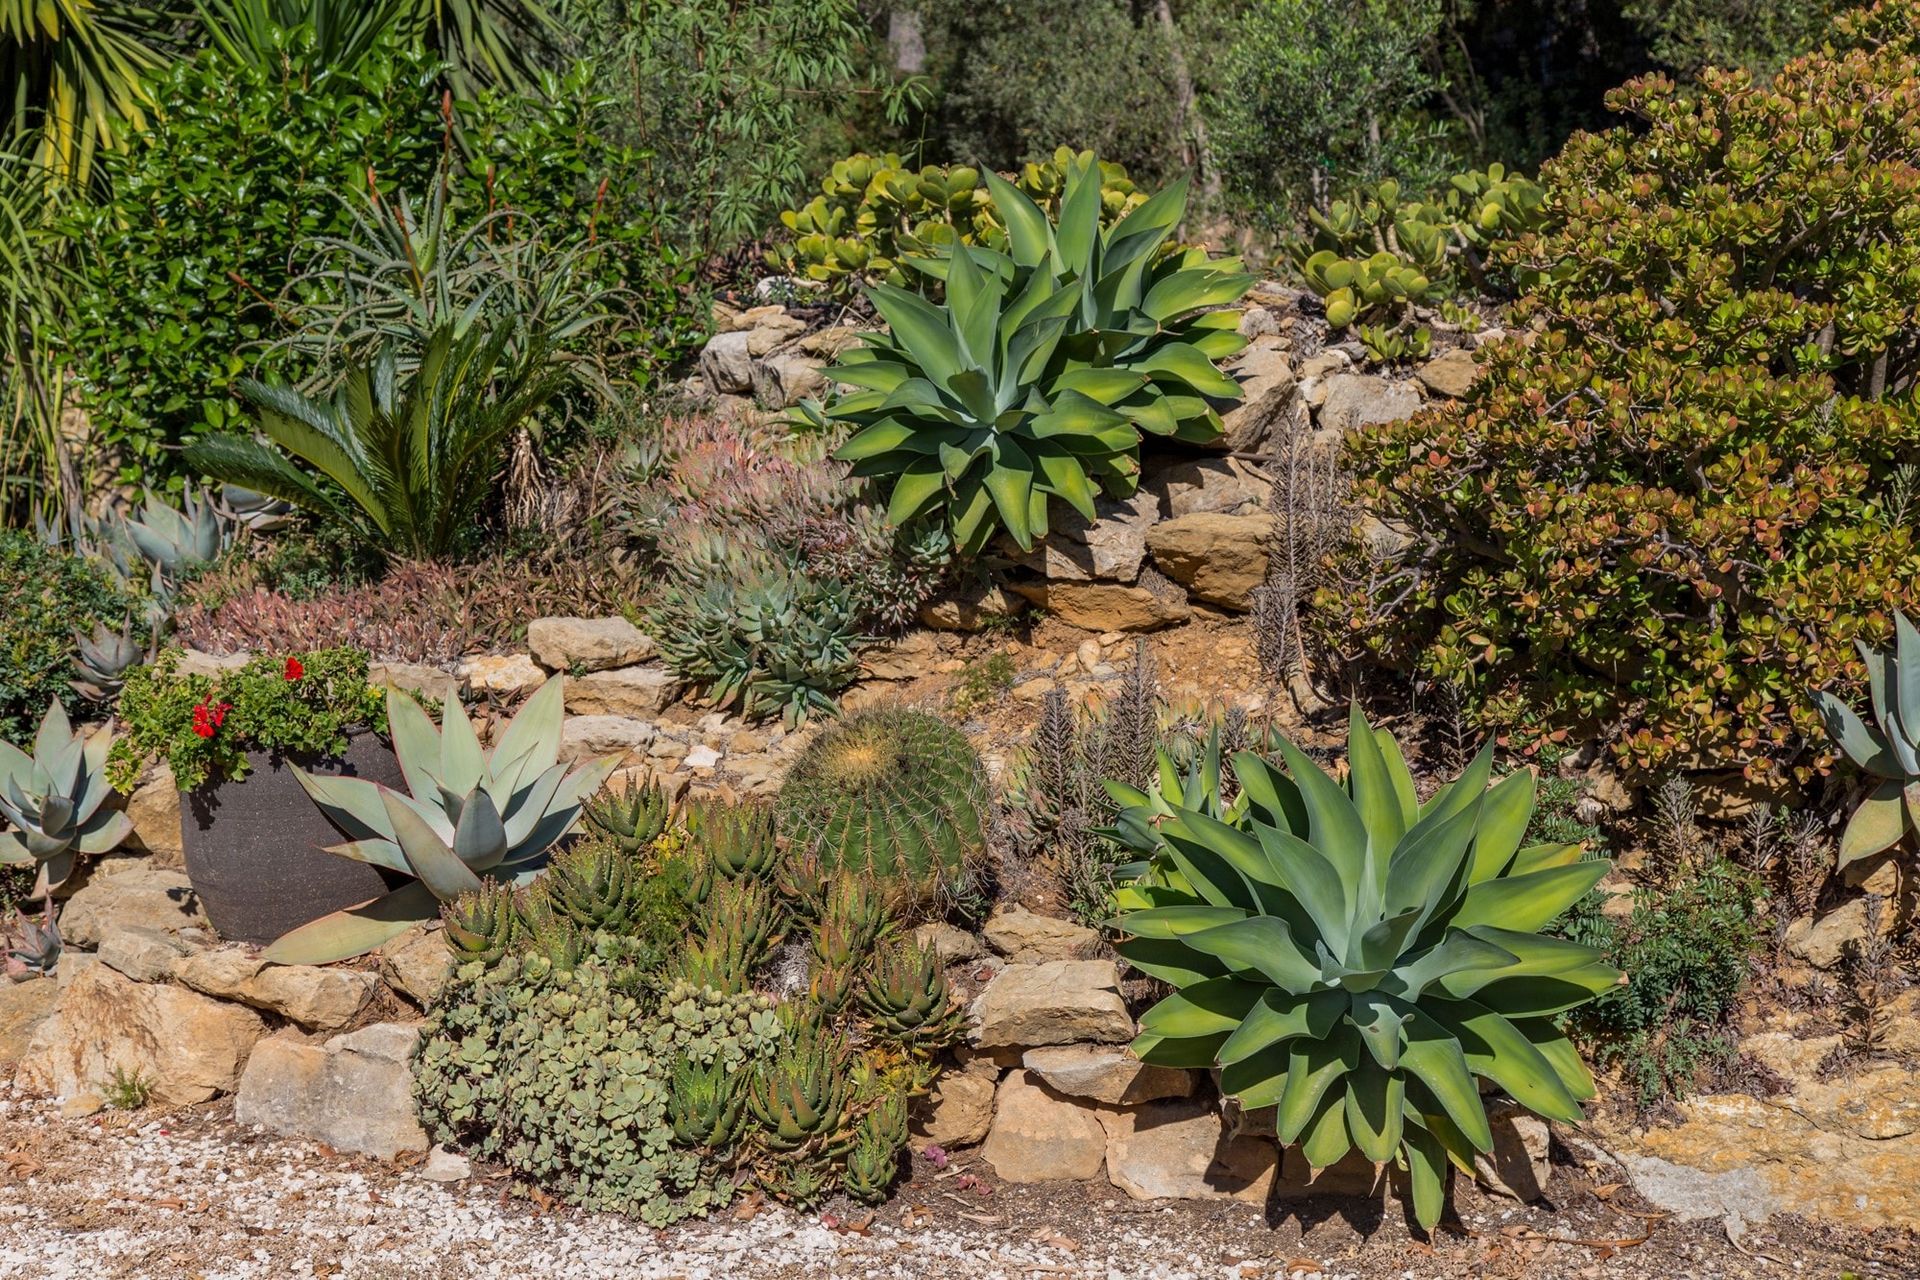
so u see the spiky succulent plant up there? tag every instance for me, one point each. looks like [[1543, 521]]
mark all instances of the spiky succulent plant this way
[[594, 883], [737, 839], [801, 1181], [747, 908], [54, 800], [798, 1098], [633, 815], [1360, 960], [905, 998], [1036, 377], [178, 541], [468, 815], [482, 924], [873, 1161], [1888, 750], [894, 794], [706, 1103], [102, 659], [33, 947]]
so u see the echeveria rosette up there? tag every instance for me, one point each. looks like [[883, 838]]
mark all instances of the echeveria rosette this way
[[1357, 960], [1888, 749], [53, 799], [1035, 377], [472, 816]]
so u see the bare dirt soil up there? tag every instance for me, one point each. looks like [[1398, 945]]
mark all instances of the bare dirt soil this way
[[188, 1195]]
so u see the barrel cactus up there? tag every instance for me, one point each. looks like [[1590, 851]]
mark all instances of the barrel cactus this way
[[896, 794]]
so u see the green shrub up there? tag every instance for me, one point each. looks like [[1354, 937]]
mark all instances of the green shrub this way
[[1675, 507], [47, 598], [894, 794]]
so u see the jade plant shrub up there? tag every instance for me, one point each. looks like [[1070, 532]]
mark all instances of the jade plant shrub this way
[[202, 726], [1036, 376], [1361, 960], [873, 211], [1675, 507], [611, 1073], [896, 795], [48, 596]]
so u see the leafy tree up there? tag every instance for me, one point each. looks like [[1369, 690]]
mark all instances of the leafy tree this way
[[1747, 35]]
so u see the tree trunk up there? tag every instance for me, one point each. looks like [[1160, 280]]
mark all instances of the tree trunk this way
[[1193, 127]]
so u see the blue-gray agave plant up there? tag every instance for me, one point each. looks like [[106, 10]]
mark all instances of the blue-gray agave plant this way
[[54, 800], [472, 816], [1889, 749]]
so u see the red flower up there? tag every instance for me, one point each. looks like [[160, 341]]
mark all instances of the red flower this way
[[294, 669], [208, 718]]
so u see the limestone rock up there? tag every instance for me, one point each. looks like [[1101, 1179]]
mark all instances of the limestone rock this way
[[782, 381], [1062, 1002], [1266, 395], [321, 999], [193, 662], [726, 362], [23, 1007], [1517, 1167], [1211, 484], [1219, 558], [971, 610], [507, 674], [443, 1165], [830, 342], [417, 964], [638, 692], [587, 644], [431, 683], [137, 896], [1110, 549], [909, 656], [154, 810], [584, 736], [354, 1092], [1180, 1151], [187, 1047], [143, 954], [1106, 1073], [1026, 938], [1450, 374], [770, 326], [956, 1113], [1823, 941], [1040, 1137], [1106, 606], [1365, 399], [953, 945]]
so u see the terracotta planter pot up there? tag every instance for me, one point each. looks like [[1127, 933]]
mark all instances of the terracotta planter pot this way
[[256, 849]]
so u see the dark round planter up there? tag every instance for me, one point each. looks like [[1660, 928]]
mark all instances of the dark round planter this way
[[257, 848]]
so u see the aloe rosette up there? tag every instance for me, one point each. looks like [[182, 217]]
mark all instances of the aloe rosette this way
[[54, 801], [1359, 960], [468, 816]]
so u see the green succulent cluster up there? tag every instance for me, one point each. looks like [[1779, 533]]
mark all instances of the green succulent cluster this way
[[1361, 961], [1374, 257], [905, 998], [634, 816], [893, 794], [873, 212], [1035, 377]]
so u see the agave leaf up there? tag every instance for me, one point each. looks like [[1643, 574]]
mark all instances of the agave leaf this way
[[1280, 1016], [480, 838], [428, 856], [1376, 1111], [106, 836], [1029, 234], [356, 930], [1263, 945], [1426, 1174], [1867, 748], [1376, 798], [1433, 1056], [1313, 1067], [1878, 824], [461, 760], [534, 732], [1459, 952], [1496, 1049], [1505, 810], [1191, 1054], [1529, 902], [416, 742]]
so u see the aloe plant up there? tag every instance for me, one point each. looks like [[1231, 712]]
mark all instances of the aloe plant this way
[[467, 816], [54, 801], [1036, 377], [1888, 750], [1359, 960]]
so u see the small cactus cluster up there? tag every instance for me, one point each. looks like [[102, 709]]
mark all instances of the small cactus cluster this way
[[895, 795]]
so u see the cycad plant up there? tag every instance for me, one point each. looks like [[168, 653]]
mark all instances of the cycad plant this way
[[1888, 750], [468, 816], [1362, 961], [1035, 378], [405, 464]]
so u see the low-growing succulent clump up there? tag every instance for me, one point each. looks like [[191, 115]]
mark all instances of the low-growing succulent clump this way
[[896, 795]]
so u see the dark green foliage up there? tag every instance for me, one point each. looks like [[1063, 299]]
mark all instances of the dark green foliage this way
[[47, 597], [897, 795], [874, 1162], [594, 884], [706, 1104], [799, 1096]]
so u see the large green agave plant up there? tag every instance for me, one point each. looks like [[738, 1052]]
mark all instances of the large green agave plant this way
[[53, 800], [472, 816], [1359, 960], [1036, 376], [1888, 750]]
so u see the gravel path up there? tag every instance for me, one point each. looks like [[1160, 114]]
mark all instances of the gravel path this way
[[191, 1196]]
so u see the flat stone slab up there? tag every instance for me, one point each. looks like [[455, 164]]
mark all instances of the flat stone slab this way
[[1106, 1073], [1062, 1002], [353, 1092]]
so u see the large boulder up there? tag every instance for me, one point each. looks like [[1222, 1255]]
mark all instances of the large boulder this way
[[958, 1111], [726, 362], [1266, 395], [506, 674], [143, 954], [417, 964], [1107, 606], [1364, 399], [154, 810], [638, 692], [1106, 1073], [1180, 1150], [587, 644], [1219, 558], [585, 736], [1228, 485], [120, 894], [1110, 549], [1026, 938], [1063, 1002], [1038, 1136], [353, 1092], [784, 380], [107, 1029], [320, 999], [23, 1007]]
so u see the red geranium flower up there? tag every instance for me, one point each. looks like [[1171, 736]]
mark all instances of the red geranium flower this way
[[294, 669], [208, 718]]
